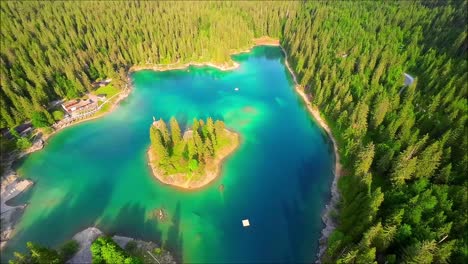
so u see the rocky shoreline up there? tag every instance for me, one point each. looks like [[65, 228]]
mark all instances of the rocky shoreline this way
[[327, 215], [10, 215], [86, 237]]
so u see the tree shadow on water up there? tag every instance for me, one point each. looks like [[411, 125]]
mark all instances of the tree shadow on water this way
[[174, 237], [131, 221], [51, 220], [294, 219], [306, 177]]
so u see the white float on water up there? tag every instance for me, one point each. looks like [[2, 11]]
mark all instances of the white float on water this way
[[245, 223], [236, 89]]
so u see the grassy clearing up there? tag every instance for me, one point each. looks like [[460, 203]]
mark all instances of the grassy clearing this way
[[108, 90]]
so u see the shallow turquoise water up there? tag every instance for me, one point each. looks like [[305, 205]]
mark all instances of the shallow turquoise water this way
[[95, 173]]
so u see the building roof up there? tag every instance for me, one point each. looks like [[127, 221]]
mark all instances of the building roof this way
[[70, 103], [76, 104]]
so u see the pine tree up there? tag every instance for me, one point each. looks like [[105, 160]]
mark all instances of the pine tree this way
[[162, 127], [219, 131], [175, 131]]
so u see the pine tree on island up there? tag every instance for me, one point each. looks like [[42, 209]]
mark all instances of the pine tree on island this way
[[193, 159]]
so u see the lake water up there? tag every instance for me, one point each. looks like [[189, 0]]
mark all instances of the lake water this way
[[96, 173]]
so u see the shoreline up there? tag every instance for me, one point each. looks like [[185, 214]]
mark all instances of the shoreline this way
[[171, 67], [122, 95], [262, 41], [11, 177], [10, 215], [225, 66], [331, 206], [86, 237], [209, 178], [11, 173], [335, 195]]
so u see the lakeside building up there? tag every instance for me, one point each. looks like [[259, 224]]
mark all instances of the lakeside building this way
[[76, 105]]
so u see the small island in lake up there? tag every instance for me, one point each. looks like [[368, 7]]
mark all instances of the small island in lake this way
[[191, 160]]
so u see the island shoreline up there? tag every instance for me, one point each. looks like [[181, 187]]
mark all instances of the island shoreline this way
[[208, 180]]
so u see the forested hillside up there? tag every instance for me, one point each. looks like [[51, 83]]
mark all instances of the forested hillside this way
[[55, 50], [404, 149], [404, 198]]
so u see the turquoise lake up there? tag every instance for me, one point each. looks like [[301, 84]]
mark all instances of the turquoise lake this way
[[96, 173]]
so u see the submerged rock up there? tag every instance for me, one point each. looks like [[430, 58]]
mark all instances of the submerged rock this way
[[160, 214]]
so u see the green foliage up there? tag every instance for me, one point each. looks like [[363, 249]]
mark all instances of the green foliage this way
[[69, 249], [58, 115], [404, 146], [193, 165], [192, 152], [37, 254], [131, 246], [401, 143], [56, 53], [109, 90], [39, 119], [23, 143], [175, 132], [105, 251], [158, 251], [7, 145]]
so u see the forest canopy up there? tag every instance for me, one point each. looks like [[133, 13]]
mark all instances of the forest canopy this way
[[52, 50], [404, 148]]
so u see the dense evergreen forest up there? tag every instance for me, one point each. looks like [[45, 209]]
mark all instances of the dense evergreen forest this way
[[404, 196], [404, 149], [55, 50]]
